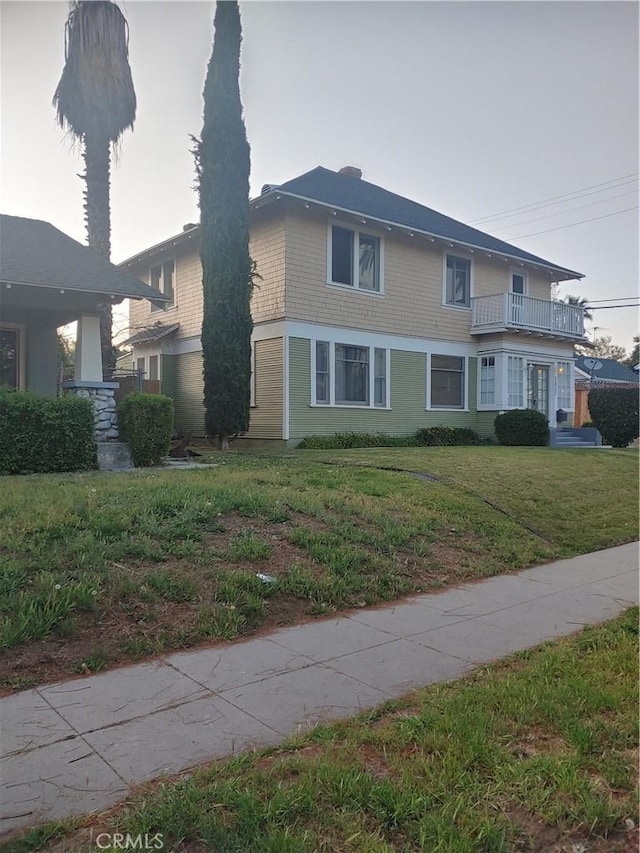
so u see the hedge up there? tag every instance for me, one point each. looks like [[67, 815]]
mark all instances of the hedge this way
[[43, 434], [346, 440], [614, 412], [522, 427], [446, 436], [145, 423]]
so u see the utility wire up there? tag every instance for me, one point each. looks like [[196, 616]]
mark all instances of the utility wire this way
[[613, 299], [568, 210], [602, 307], [572, 224], [542, 202]]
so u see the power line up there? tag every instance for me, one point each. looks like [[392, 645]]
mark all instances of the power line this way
[[542, 203], [613, 299], [602, 307], [569, 210], [571, 224]]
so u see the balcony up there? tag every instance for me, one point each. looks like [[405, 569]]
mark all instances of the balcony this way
[[513, 312]]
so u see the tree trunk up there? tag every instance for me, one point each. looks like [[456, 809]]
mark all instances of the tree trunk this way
[[223, 442], [97, 217]]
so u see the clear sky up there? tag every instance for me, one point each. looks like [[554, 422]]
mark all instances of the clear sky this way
[[472, 108]]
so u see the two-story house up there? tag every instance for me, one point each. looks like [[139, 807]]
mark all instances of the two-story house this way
[[373, 313]]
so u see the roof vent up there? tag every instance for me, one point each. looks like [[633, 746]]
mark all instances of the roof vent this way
[[267, 188], [189, 226], [350, 171]]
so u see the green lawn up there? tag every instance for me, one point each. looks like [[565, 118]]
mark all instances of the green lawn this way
[[535, 753], [100, 568]]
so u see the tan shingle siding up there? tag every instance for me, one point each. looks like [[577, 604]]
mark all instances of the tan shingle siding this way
[[413, 275]]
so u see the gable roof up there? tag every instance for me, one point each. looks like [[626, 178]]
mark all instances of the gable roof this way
[[605, 369], [351, 194], [34, 252]]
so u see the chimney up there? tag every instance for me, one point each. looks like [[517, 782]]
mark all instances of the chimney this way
[[350, 171], [189, 226]]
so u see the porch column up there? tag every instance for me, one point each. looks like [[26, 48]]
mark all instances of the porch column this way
[[88, 363], [87, 379]]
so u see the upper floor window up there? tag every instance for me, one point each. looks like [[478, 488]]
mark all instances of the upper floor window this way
[[354, 259], [162, 277], [518, 283], [458, 282]]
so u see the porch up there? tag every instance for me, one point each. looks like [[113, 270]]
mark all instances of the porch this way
[[514, 312]]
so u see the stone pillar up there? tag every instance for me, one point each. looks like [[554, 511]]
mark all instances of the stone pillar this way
[[104, 404]]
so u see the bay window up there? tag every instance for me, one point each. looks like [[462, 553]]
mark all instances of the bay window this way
[[487, 380]]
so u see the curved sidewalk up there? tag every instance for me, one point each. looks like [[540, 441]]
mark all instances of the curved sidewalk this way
[[78, 746]]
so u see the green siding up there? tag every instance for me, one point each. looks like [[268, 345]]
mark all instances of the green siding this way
[[266, 415], [485, 424], [182, 380], [408, 399]]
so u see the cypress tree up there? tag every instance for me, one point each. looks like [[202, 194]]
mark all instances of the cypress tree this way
[[222, 165]]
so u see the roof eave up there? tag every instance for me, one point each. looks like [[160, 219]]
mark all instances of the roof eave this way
[[154, 296], [278, 193]]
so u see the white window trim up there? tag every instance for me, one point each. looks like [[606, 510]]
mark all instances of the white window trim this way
[[465, 256], [146, 356], [517, 271], [22, 350], [153, 309], [343, 340], [465, 408], [252, 379], [496, 380], [355, 287]]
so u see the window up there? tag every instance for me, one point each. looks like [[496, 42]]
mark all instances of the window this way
[[515, 382], [458, 282], [140, 366], [518, 283], [380, 378], [564, 384], [352, 375], [355, 259], [10, 357], [322, 372], [154, 371], [447, 382], [488, 380], [344, 374], [162, 277]]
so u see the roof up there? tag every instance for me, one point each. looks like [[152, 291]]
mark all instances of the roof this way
[[348, 194], [606, 369], [151, 333], [352, 194], [33, 252]]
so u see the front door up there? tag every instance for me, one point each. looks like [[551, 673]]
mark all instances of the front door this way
[[538, 388]]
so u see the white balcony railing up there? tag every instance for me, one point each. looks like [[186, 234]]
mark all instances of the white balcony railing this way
[[515, 311]]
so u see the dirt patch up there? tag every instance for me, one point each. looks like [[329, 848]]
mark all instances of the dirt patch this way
[[536, 836], [538, 741]]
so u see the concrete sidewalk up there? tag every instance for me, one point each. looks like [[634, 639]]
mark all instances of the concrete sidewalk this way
[[78, 746]]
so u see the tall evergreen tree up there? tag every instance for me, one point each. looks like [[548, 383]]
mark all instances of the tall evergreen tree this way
[[222, 162], [96, 102]]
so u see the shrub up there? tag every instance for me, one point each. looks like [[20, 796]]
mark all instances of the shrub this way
[[588, 425], [42, 434], [145, 422], [346, 440], [522, 427], [445, 436], [615, 414]]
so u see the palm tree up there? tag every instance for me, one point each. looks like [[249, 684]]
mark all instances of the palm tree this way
[[580, 302], [95, 102]]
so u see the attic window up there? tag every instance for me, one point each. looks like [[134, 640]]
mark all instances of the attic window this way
[[162, 277]]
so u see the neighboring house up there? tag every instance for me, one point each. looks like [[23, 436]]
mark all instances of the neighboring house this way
[[591, 372], [46, 281], [373, 313]]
